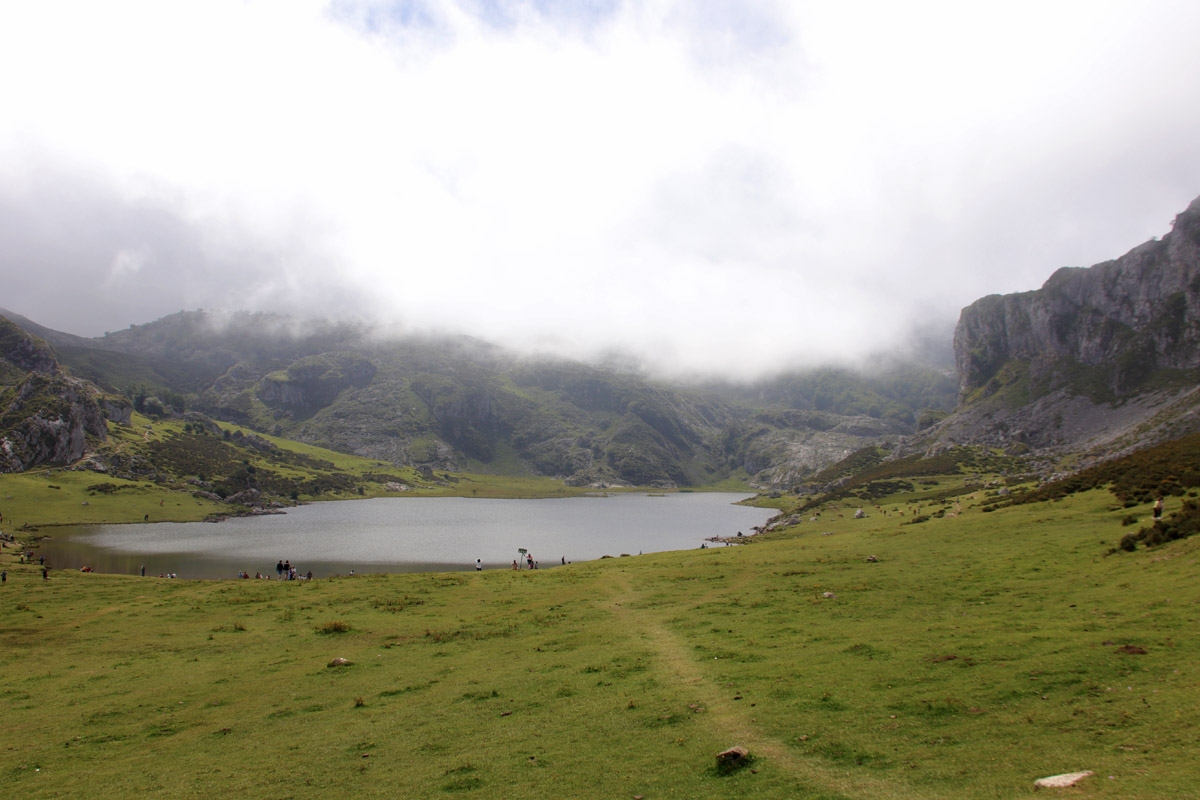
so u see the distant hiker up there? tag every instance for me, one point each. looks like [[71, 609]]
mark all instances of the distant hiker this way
[[564, 560], [279, 570], [143, 570], [42, 560], [3, 576], [1158, 507], [309, 575], [45, 574], [478, 565], [515, 564]]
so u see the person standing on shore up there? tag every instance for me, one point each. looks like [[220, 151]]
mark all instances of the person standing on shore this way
[[478, 565]]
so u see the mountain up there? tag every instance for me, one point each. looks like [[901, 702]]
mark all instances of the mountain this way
[[456, 403], [1098, 361]]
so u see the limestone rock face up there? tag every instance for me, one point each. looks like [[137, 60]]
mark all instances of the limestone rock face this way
[[117, 409], [46, 420], [314, 381], [1128, 318]]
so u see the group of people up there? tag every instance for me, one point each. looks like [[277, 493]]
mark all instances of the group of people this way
[[286, 571], [529, 562]]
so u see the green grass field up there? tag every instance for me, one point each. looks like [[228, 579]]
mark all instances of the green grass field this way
[[978, 653]]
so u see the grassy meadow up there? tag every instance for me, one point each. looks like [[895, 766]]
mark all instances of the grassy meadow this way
[[975, 654]]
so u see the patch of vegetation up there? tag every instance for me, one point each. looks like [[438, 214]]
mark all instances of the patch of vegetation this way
[[1164, 470], [1178, 525], [868, 475]]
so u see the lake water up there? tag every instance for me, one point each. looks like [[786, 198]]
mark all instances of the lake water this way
[[408, 534]]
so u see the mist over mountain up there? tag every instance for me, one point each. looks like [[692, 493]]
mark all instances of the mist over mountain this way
[[1098, 361], [459, 403]]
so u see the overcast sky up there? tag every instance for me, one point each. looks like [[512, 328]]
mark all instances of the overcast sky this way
[[717, 186]]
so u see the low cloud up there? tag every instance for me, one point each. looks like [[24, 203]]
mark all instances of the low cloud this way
[[717, 188]]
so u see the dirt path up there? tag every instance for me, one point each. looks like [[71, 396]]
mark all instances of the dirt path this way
[[734, 721], [675, 657]]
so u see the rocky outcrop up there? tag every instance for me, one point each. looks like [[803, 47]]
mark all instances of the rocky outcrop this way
[[47, 419], [1097, 362], [1107, 329], [116, 408], [315, 381]]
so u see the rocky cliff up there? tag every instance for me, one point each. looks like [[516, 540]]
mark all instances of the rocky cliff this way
[[47, 419], [1098, 360], [1126, 319], [47, 416]]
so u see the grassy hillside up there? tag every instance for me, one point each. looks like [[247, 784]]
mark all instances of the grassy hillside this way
[[162, 469], [976, 653], [463, 405]]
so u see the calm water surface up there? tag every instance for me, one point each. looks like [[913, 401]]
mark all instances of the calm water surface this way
[[408, 534]]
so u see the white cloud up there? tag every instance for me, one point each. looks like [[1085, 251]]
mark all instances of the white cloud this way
[[715, 185]]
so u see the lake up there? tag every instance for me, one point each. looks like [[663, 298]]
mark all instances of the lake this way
[[408, 534]]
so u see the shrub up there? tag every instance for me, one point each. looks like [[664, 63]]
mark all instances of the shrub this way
[[1180, 525]]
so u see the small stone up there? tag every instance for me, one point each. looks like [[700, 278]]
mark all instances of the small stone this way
[[1061, 781], [733, 758]]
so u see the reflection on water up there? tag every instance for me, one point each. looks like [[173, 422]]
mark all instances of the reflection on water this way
[[410, 534]]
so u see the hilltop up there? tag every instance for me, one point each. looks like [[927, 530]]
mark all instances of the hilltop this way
[[458, 404]]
